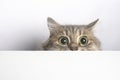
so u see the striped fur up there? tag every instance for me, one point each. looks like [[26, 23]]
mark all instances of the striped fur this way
[[73, 32]]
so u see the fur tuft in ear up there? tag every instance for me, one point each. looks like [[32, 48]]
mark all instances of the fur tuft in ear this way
[[92, 24], [52, 24], [50, 20]]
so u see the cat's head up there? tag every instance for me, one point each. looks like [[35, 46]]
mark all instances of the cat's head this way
[[71, 37]]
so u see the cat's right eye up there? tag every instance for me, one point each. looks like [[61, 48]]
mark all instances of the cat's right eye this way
[[83, 40], [63, 40]]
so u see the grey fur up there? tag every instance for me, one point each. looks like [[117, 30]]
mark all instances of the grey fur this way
[[73, 32]]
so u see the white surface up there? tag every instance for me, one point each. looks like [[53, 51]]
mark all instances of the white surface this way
[[23, 22], [59, 66]]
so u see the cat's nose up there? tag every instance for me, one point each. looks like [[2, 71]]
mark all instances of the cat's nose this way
[[73, 46]]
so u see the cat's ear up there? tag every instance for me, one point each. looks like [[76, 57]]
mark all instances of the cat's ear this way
[[91, 25], [52, 24]]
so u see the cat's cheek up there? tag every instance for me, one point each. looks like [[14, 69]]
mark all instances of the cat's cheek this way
[[93, 48]]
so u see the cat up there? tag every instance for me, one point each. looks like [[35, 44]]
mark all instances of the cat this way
[[71, 37]]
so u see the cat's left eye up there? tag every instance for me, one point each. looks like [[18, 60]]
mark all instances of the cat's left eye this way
[[63, 40], [83, 40]]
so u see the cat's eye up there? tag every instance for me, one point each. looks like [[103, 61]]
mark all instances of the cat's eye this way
[[83, 40], [63, 40]]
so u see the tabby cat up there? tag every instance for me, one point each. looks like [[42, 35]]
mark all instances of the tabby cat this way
[[71, 37]]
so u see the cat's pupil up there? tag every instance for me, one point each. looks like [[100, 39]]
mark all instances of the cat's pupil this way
[[83, 40], [64, 40]]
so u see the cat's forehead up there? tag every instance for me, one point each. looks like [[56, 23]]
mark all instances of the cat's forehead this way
[[71, 31], [74, 28]]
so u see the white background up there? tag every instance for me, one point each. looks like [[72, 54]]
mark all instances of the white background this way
[[59, 66], [23, 23]]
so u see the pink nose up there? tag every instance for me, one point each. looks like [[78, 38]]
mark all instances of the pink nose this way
[[73, 46]]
